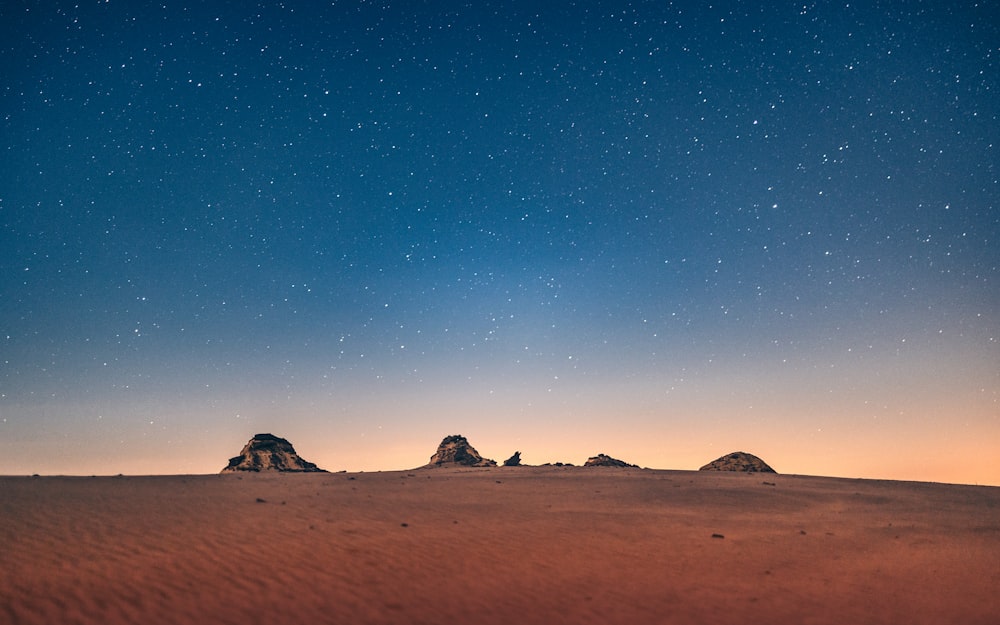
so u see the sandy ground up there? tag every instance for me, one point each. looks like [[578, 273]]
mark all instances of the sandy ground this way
[[504, 545]]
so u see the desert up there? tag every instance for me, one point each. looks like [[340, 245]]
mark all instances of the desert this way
[[714, 288], [494, 544]]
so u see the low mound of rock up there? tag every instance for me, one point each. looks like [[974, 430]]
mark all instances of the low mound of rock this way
[[739, 461], [267, 452], [456, 450], [602, 460]]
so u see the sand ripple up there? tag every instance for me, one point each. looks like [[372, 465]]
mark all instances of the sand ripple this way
[[524, 545]]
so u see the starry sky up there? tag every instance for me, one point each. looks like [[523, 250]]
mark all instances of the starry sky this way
[[663, 231]]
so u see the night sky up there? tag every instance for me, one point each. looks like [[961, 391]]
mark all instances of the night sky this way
[[661, 231]]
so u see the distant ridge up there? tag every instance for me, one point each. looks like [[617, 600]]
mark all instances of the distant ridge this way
[[267, 452], [738, 461], [456, 450], [602, 460]]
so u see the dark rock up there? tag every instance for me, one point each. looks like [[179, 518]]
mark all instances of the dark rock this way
[[739, 461], [513, 461], [601, 460], [267, 452], [456, 450]]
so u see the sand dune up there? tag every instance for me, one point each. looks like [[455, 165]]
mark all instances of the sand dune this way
[[497, 545]]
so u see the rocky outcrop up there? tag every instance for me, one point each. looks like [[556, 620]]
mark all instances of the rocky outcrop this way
[[456, 450], [267, 452], [739, 461], [513, 461], [601, 460]]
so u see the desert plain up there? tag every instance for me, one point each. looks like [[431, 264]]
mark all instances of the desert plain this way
[[497, 545]]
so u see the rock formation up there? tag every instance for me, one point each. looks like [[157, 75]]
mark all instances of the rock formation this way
[[513, 461], [456, 450], [739, 461], [267, 452], [601, 460]]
